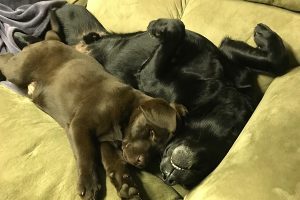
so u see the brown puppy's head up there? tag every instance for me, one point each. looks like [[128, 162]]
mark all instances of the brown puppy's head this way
[[150, 128]]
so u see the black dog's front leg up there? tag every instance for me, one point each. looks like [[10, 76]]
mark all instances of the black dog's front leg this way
[[270, 56], [84, 150]]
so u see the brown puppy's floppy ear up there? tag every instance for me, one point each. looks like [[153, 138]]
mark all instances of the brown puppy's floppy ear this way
[[159, 113]]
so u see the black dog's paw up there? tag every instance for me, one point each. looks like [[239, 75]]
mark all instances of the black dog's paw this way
[[264, 36], [89, 187], [167, 29]]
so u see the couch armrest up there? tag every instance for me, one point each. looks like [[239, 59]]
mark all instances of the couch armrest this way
[[264, 161]]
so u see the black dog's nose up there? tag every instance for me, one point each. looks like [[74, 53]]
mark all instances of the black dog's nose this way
[[168, 179]]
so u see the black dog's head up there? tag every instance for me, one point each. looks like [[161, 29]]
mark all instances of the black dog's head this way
[[188, 160], [151, 127]]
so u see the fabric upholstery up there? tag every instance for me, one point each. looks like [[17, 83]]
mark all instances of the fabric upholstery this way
[[78, 2], [37, 162], [288, 4]]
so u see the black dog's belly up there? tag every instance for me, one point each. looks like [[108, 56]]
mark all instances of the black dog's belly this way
[[195, 64]]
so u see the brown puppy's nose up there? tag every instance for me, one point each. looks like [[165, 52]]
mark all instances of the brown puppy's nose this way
[[140, 161]]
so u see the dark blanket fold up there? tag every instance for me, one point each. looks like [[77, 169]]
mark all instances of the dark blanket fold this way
[[31, 19]]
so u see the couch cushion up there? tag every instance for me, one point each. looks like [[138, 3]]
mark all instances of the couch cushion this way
[[78, 2], [124, 16], [264, 161], [288, 4]]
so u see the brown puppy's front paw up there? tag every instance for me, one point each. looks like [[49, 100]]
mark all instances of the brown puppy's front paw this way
[[128, 192], [89, 187], [128, 189], [125, 185]]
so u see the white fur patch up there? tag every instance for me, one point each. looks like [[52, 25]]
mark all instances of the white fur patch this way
[[31, 87]]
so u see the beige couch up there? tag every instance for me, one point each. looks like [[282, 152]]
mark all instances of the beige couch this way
[[36, 162]]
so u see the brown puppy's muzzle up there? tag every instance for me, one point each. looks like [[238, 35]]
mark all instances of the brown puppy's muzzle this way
[[136, 153]]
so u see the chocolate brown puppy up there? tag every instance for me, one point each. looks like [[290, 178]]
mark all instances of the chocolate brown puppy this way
[[95, 108]]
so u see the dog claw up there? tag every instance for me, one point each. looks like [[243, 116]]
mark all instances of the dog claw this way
[[133, 191], [111, 175], [125, 176]]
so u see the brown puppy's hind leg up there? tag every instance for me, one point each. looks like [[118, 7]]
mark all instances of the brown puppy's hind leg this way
[[84, 150]]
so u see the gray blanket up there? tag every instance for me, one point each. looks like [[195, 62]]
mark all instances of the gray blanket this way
[[29, 19]]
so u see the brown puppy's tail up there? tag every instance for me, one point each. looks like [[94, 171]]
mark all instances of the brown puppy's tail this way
[[53, 34]]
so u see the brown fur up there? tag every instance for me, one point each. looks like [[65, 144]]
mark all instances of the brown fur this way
[[93, 105]]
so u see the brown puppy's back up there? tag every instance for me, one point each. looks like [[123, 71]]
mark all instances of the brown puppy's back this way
[[66, 80]]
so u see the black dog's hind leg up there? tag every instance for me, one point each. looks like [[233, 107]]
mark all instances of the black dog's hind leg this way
[[270, 55]]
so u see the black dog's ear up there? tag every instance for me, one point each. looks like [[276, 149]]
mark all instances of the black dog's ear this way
[[159, 113]]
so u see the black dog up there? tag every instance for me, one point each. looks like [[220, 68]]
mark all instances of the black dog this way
[[217, 85]]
